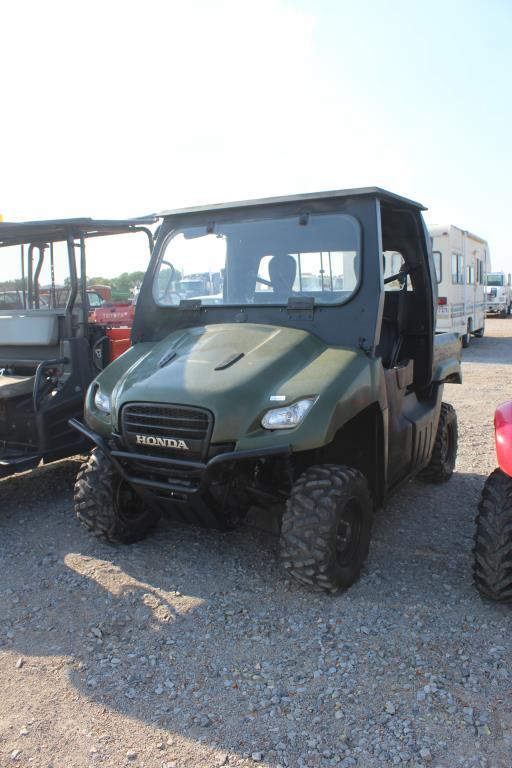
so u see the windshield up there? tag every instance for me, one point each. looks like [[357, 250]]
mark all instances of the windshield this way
[[261, 262], [495, 279]]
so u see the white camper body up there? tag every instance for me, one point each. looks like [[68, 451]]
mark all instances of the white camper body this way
[[499, 294], [462, 262]]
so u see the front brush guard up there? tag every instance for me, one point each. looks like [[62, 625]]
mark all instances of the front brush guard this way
[[202, 470]]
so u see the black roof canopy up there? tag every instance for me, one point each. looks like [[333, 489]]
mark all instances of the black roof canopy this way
[[57, 230], [314, 197]]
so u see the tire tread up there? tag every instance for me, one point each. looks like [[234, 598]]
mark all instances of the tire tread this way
[[95, 508], [438, 470], [492, 565], [307, 543]]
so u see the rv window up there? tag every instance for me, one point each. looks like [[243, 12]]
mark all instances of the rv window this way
[[471, 275], [438, 265], [457, 268]]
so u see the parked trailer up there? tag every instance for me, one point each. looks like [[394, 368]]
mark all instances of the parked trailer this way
[[499, 294], [462, 262]]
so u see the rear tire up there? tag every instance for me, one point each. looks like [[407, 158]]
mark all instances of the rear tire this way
[[492, 567], [480, 333], [444, 455], [466, 339], [326, 528], [107, 505]]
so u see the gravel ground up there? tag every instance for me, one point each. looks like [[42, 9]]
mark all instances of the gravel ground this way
[[191, 648]]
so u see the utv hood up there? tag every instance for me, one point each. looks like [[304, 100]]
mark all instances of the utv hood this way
[[237, 371]]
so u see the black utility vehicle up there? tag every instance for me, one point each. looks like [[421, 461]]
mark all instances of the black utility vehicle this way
[[49, 351]]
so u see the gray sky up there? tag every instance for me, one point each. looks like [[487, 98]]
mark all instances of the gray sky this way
[[124, 108]]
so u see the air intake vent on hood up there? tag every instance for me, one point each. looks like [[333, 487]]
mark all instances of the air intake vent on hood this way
[[229, 361]]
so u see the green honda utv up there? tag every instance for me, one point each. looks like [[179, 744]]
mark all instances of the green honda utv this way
[[309, 376]]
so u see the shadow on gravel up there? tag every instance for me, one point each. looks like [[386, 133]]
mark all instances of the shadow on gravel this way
[[495, 347], [197, 632], [425, 537]]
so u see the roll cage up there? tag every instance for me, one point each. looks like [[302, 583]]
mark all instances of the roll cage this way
[[35, 238]]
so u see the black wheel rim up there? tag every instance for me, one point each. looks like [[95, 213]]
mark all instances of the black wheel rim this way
[[128, 505], [348, 532]]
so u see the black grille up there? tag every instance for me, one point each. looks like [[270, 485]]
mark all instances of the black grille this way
[[170, 431]]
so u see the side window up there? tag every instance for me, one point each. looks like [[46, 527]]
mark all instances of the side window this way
[[471, 275], [94, 299], [454, 268], [438, 264], [457, 268]]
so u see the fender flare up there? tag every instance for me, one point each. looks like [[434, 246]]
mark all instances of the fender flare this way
[[503, 432]]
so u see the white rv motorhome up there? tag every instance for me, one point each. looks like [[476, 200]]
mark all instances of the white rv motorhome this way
[[462, 262], [499, 294]]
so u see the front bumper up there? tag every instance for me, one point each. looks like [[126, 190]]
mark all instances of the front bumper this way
[[129, 465]]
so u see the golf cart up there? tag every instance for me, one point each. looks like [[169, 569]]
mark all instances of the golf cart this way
[[49, 351], [324, 394], [492, 569]]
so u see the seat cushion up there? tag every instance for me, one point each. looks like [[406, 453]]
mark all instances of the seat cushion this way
[[34, 329], [14, 386]]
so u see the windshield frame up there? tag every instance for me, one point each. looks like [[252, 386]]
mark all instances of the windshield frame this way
[[353, 325], [171, 233]]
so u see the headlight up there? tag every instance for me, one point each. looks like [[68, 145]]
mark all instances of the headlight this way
[[102, 401], [288, 417]]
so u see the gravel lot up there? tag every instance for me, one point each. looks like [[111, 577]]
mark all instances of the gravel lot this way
[[191, 648]]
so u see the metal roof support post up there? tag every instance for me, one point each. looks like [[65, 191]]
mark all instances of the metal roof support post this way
[[53, 297], [149, 234], [38, 273], [84, 319], [73, 283], [23, 287], [30, 277]]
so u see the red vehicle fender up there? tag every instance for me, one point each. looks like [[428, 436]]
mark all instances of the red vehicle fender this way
[[503, 429]]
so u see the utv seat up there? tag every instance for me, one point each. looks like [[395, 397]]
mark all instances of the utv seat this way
[[15, 386], [393, 328], [35, 329]]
